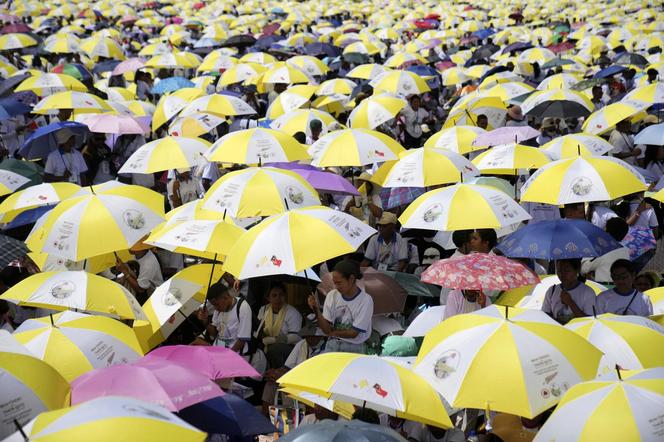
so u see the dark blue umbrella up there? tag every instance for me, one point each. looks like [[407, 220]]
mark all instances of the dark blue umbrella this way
[[611, 70], [105, 66], [171, 84], [28, 217], [42, 141], [322, 49], [229, 415], [559, 239], [484, 33], [426, 71], [341, 430], [518, 46], [10, 107], [25, 97], [8, 85], [265, 43], [10, 249]]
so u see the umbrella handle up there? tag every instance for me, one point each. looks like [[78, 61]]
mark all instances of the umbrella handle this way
[[20, 430]]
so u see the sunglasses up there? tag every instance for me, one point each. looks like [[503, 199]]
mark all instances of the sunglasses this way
[[431, 256]]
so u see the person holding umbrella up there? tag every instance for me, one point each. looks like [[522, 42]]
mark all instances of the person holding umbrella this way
[[65, 163], [572, 298]]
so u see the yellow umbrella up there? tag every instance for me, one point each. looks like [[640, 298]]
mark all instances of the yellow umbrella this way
[[606, 118], [292, 98], [354, 147], [367, 71], [240, 72], [458, 139], [375, 110], [80, 102], [403, 83], [285, 74], [16, 41], [46, 84], [170, 105], [299, 120], [507, 159], [312, 66], [94, 265], [256, 146], [165, 154]]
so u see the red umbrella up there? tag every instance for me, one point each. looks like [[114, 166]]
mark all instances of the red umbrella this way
[[16, 28], [561, 47], [388, 296], [271, 28], [199, 5], [479, 271]]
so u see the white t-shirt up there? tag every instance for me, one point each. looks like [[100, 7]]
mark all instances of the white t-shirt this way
[[611, 301], [602, 264], [600, 215], [582, 295], [188, 191], [298, 355], [292, 319], [648, 218], [622, 143], [149, 274], [233, 325], [58, 162], [353, 313], [541, 211], [381, 254]]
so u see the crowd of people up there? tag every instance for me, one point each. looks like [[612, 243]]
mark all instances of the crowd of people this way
[[278, 323]]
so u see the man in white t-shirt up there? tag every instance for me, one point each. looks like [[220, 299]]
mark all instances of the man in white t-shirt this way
[[230, 325], [65, 163], [149, 273], [623, 299], [623, 143], [386, 250]]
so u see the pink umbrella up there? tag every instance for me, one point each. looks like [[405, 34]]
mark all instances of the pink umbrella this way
[[213, 362], [115, 124], [130, 65], [161, 382], [479, 271], [506, 135]]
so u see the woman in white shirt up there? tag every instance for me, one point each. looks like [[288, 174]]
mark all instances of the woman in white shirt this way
[[279, 325], [347, 312], [571, 298]]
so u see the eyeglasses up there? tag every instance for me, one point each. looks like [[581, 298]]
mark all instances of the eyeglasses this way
[[431, 256]]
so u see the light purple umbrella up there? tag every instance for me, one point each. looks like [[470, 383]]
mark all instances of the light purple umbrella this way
[[213, 362], [292, 165], [130, 65], [115, 124], [506, 135], [157, 381], [327, 182]]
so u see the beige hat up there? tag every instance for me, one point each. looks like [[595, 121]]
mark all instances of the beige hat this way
[[515, 112], [364, 176], [387, 218], [63, 135]]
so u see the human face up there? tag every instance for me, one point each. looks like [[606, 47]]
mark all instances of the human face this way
[[622, 279], [222, 303], [642, 283], [386, 230], [567, 274], [477, 245], [345, 286], [276, 298], [482, 123], [471, 295]]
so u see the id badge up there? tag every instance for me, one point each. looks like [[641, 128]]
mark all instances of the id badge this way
[[382, 267]]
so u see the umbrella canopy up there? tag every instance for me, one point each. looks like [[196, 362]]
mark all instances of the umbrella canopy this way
[[295, 240], [30, 383], [403, 83], [538, 360], [43, 140], [75, 290], [115, 124], [11, 107], [426, 321], [10, 249], [458, 139], [299, 120], [354, 147], [463, 206], [479, 271], [631, 403], [557, 103], [171, 84], [573, 145], [559, 239], [651, 135], [75, 343], [330, 431], [80, 102], [375, 110], [47, 84], [213, 362], [11, 181], [156, 381], [327, 182], [204, 238], [606, 118], [166, 153], [220, 105], [507, 159], [505, 135], [582, 179], [372, 382], [292, 98], [129, 418], [256, 146]]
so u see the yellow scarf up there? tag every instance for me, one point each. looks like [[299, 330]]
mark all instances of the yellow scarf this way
[[273, 329]]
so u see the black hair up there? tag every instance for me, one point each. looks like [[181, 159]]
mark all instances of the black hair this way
[[576, 265], [4, 307], [277, 285], [301, 137], [366, 415], [216, 291], [649, 277], [617, 227], [461, 237], [651, 155], [623, 264], [488, 235], [348, 268]]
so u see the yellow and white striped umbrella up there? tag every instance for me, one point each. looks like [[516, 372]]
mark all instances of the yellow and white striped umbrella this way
[[194, 125], [154, 49], [75, 290], [498, 78], [30, 384], [656, 296], [461, 207], [466, 112], [535, 360], [34, 196], [170, 105], [165, 154], [573, 145], [361, 47], [295, 240], [457, 139], [283, 73], [75, 343], [106, 47], [62, 44], [173, 301], [354, 147], [47, 84], [121, 94], [582, 179], [558, 81], [650, 94], [197, 237], [125, 213], [402, 83], [292, 98], [9, 42], [376, 110], [140, 108], [300, 39], [367, 71], [508, 91], [336, 86], [129, 419], [299, 120], [174, 60], [402, 58], [454, 75], [256, 146], [239, 73], [606, 118], [260, 58], [10, 181], [259, 192], [219, 105], [507, 159], [622, 409], [312, 66], [539, 55], [80, 102], [217, 61], [626, 341], [424, 167]]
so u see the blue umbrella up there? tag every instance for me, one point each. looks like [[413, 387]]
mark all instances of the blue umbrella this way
[[42, 141], [318, 48], [651, 135], [559, 239], [28, 217], [611, 70], [427, 71], [399, 196], [105, 66], [10, 107], [171, 84], [229, 415], [484, 33], [264, 43]]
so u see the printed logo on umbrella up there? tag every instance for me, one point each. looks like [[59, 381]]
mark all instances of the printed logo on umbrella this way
[[63, 289], [432, 213], [133, 219], [265, 261], [172, 297], [582, 186], [447, 364], [295, 195]]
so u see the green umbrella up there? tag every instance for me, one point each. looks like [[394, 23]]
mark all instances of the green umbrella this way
[[557, 62], [413, 286], [28, 169]]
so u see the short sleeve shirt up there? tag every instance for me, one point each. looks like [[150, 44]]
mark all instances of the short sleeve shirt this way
[[292, 319], [582, 295], [378, 252], [611, 301], [58, 162], [353, 313], [233, 325]]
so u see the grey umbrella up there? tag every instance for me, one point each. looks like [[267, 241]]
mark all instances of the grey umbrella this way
[[343, 431]]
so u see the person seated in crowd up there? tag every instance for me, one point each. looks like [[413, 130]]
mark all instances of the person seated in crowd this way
[[347, 311], [430, 256], [386, 250], [572, 298], [230, 325], [280, 323], [623, 299]]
